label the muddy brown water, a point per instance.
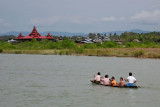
(60, 81)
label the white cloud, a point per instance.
(70, 19)
(147, 17)
(122, 18)
(47, 21)
(7, 24)
(157, 6)
(44, 21)
(4, 23)
(112, 18)
(81, 20)
(1, 20)
(55, 19)
(74, 19)
(90, 20)
(108, 18)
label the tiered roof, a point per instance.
(49, 36)
(20, 36)
(34, 34)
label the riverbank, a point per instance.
(109, 52)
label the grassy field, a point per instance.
(108, 52)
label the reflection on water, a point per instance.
(60, 81)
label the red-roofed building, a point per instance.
(49, 36)
(34, 35)
(20, 36)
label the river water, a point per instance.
(61, 81)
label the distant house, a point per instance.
(33, 35)
(12, 41)
(136, 40)
(59, 38)
(106, 38)
(87, 40)
(97, 40)
(118, 41)
(78, 39)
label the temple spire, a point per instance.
(34, 28)
(20, 35)
(48, 35)
(34, 32)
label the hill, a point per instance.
(5, 38)
(15, 33)
(45, 33)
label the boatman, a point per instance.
(97, 78)
(131, 80)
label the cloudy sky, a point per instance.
(79, 15)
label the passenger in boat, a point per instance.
(131, 80)
(121, 83)
(97, 78)
(105, 80)
(113, 81)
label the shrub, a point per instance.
(131, 44)
(110, 44)
(79, 50)
(55, 52)
(138, 53)
(68, 44)
(153, 55)
(68, 52)
(90, 46)
(18, 52)
(1, 50)
(126, 54)
(62, 52)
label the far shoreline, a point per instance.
(153, 53)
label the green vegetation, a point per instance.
(1, 50)
(142, 45)
(42, 45)
(138, 53)
(6, 37)
(111, 44)
(68, 44)
(65, 44)
(148, 45)
(143, 37)
(118, 52)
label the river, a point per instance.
(61, 81)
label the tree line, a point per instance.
(146, 40)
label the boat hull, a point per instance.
(98, 83)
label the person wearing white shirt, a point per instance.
(97, 78)
(131, 80)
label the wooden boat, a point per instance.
(98, 83)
